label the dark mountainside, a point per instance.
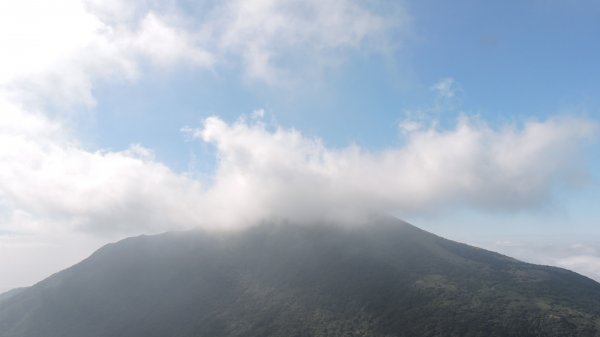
(386, 279)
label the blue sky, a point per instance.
(511, 63)
(96, 96)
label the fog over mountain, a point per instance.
(387, 279)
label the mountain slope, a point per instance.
(385, 279)
(10, 293)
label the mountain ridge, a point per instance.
(386, 279)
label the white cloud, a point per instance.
(445, 88)
(280, 173)
(167, 45)
(408, 126)
(565, 251)
(586, 264)
(269, 33)
(49, 182)
(258, 114)
(54, 52)
(445, 102)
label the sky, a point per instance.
(475, 120)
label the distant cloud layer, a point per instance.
(49, 182)
(579, 254)
(275, 172)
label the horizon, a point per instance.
(477, 122)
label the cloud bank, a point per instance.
(49, 182)
(280, 173)
(580, 254)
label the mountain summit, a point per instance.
(385, 279)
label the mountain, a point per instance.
(10, 293)
(385, 279)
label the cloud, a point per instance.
(586, 264)
(566, 251)
(267, 34)
(52, 187)
(262, 173)
(55, 52)
(445, 88)
(279, 173)
(48, 182)
(443, 105)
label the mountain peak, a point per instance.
(386, 279)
